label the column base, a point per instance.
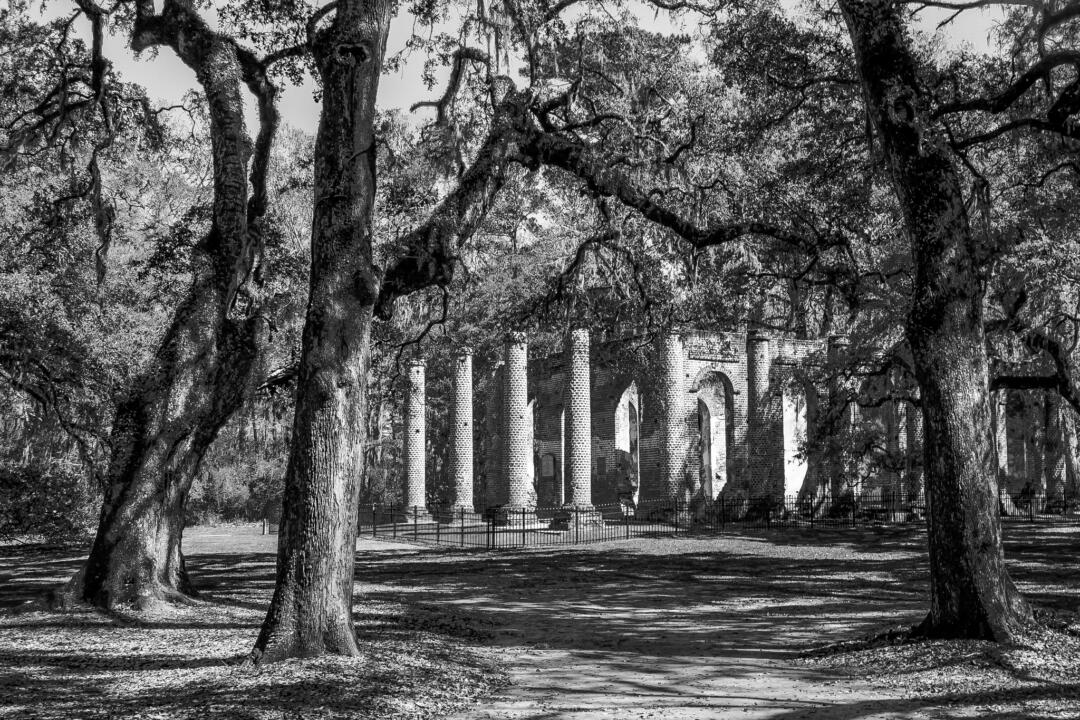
(460, 515)
(570, 516)
(515, 517)
(415, 515)
(667, 511)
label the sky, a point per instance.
(167, 79)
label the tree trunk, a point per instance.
(311, 610)
(159, 438)
(207, 357)
(1070, 446)
(972, 595)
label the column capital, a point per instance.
(839, 340)
(671, 342)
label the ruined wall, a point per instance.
(694, 415)
(636, 453)
(754, 397)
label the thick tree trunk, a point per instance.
(971, 592)
(205, 361)
(159, 438)
(1070, 447)
(311, 610)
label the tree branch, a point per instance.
(1024, 382)
(429, 252)
(603, 180)
(1065, 369)
(461, 57)
(1009, 95)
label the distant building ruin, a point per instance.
(693, 416)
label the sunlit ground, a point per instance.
(666, 628)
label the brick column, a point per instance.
(415, 443)
(579, 420)
(892, 491)
(517, 450)
(1053, 450)
(673, 439)
(999, 414)
(491, 442)
(840, 421)
(560, 467)
(1035, 445)
(765, 445)
(914, 479)
(461, 432)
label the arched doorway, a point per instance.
(627, 441)
(706, 448)
(716, 432)
(800, 409)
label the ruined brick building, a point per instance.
(694, 415)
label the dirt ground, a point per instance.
(661, 628)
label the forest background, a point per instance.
(98, 237)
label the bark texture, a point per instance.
(311, 610)
(173, 412)
(971, 593)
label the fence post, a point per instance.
(1031, 508)
(393, 513)
(626, 523)
(438, 528)
(523, 527)
(577, 520)
(415, 522)
(374, 522)
(462, 527)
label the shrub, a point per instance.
(54, 501)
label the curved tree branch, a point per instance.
(604, 180)
(429, 252)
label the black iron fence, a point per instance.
(500, 527)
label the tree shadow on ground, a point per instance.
(29, 570)
(643, 618)
(648, 615)
(729, 603)
(186, 661)
(212, 692)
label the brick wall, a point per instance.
(747, 391)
